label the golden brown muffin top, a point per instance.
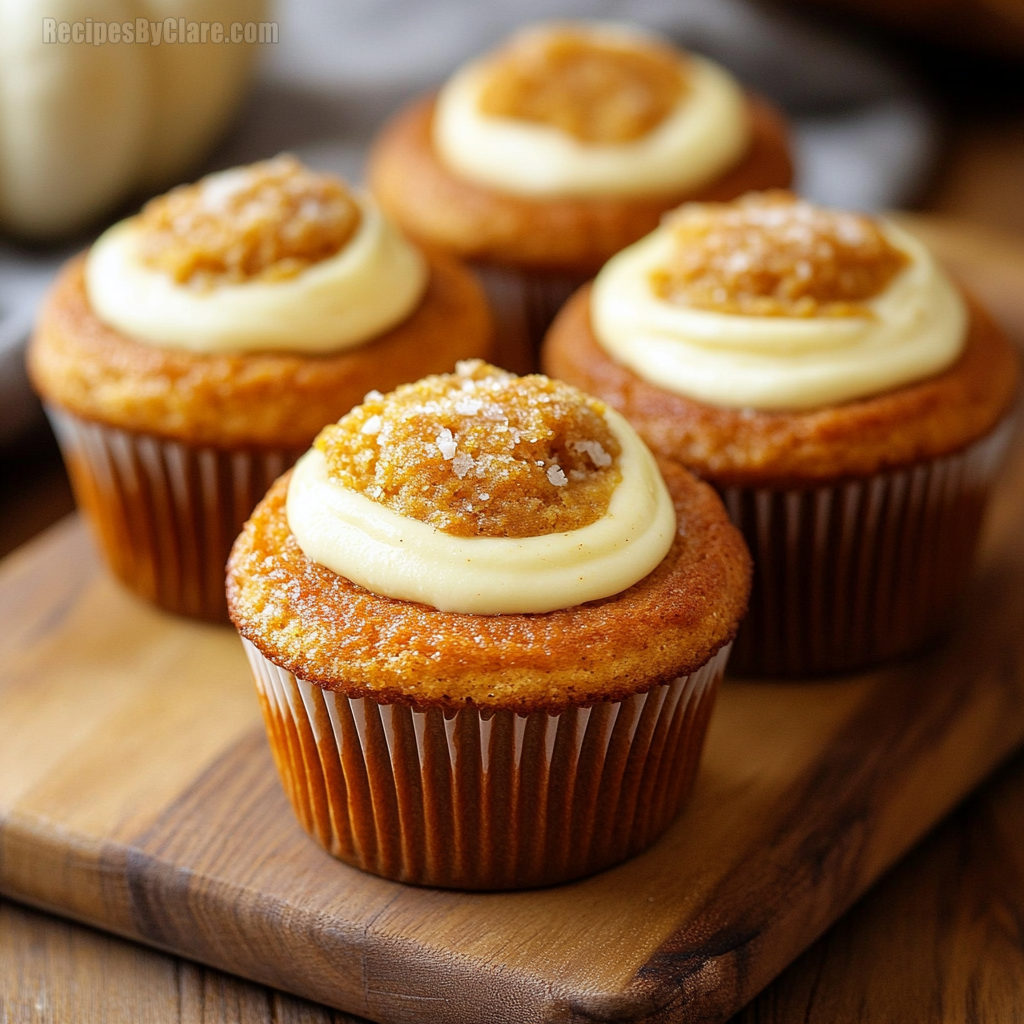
(574, 234)
(480, 453)
(923, 420)
(262, 399)
(268, 221)
(595, 90)
(324, 628)
(772, 254)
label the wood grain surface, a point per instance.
(137, 793)
(939, 940)
(55, 972)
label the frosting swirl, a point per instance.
(264, 258)
(770, 303)
(379, 536)
(606, 131)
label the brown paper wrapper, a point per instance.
(165, 513)
(474, 800)
(859, 571)
(524, 303)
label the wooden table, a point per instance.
(940, 939)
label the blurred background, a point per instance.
(915, 106)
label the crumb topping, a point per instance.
(268, 221)
(771, 254)
(597, 91)
(480, 453)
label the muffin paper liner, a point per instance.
(473, 799)
(165, 513)
(861, 570)
(524, 303)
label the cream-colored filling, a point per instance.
(917, 327)
(706, 133)
(373, 283)
(397, 556)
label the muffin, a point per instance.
(847, 400)
(196, 350)
(542, 159)
(486, 631)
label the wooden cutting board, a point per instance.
(137, 793)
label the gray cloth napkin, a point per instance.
(864, 137)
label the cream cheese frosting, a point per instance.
(371, 284)
(397, 556)
(706, 132)
(915, 327)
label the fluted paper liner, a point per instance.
(165, 513)
(476, 800)
(855, 572)
(524, 303)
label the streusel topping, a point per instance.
(596, 91)
(771, 254)
(268, 221)
(480, 453)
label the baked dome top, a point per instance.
(926, 419)
(435, 204)
(329, 630)
(267, 221)
(262, 399)
(771, 303)
(596, 88)
(772, 254)
(479, 453)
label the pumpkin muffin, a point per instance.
(539, 161)
(486, 631)
(847, 401)
(195, 351)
